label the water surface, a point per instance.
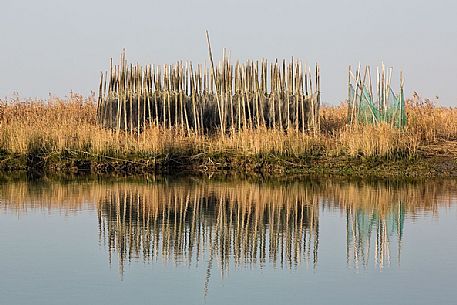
(202, 242)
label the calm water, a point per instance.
(195, 242)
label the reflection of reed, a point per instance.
(242, 223)
(19, 197)
(246, 224)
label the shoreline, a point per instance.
(62, 137)
(432, 161)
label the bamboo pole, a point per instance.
(148, 94)
(213, 73)
(302, 98)
(318, 97)
(297, 98)
(100, 99)
(131, 94)
(279, 94)
(139, 90)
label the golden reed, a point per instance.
(71, 125)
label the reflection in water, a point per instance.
(361, 225)
(375, 215)
(246, 224)
(239, 223)
(20, 197)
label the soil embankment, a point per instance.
(436, 160)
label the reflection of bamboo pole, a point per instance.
(248, 222)
(245, 223)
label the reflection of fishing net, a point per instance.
(385, 227)
(363, 224)
(366, 108)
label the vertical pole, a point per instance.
(213, 73)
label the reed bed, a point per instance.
(238, 223)
(69, 125)
(430, 122)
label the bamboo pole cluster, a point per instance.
(201, 99)
(377, 105)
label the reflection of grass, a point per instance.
(234, 222)
(61, 133)
(379, 197)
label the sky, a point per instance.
(57, 47)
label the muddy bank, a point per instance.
(433, 161)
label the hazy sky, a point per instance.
(52, 46)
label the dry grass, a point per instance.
(430, 122)
(70, 124)
(381, 140)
